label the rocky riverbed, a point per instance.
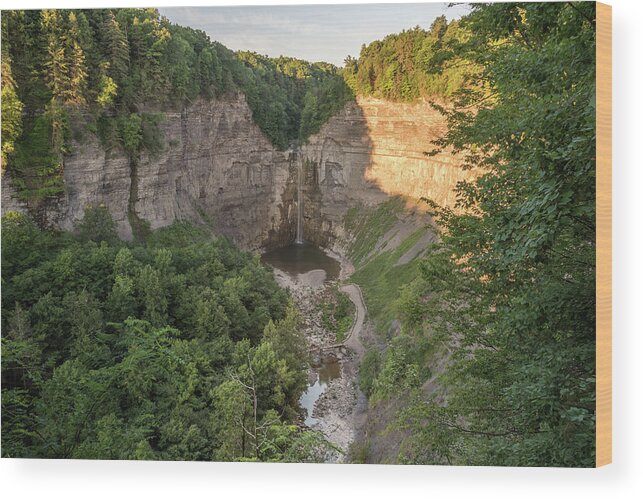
(335, 412)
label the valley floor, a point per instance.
(341, 408)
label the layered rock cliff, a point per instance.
(217, 168)
(371, 150)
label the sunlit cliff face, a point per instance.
(401, 136)
(370, 151)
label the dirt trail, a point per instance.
(352, 340)
(341, 408)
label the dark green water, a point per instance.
(298, 259)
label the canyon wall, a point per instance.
(371, 150)
(218, 169)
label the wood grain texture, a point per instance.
(603, 234)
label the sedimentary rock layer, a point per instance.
(218, 169)
(369, 151)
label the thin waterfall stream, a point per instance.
(300, 206)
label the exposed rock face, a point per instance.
(402, 135)
(218, 169)
(94, 176)
(335, 162)
(10, 201)
(369, 151)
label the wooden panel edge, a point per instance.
(603, 234)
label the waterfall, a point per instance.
(300, 206)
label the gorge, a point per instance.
(217, 169)
(220, 172)
(218, 255)
(278, 155)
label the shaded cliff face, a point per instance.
(217, 168)
(371, 150)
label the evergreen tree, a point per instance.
(56, 70)
(11, 105)
(56, 74)
(115, 45)
(77, 69)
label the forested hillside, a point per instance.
(410, 65)
(183, 348)
(112, 72)
(496, 353)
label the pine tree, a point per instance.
(56, 67)
(76, 63)
(11, 104)
(56, 75)
(116, 46)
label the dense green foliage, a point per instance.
(290, 98)
(11, 104)
(337, 312)
(507, 298)
(105, 69)
(408, 65)
(181, 348)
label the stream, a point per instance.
(331, 402)
(307, 265)
(326, 370)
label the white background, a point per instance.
(623, 479)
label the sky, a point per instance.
(311, 32)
